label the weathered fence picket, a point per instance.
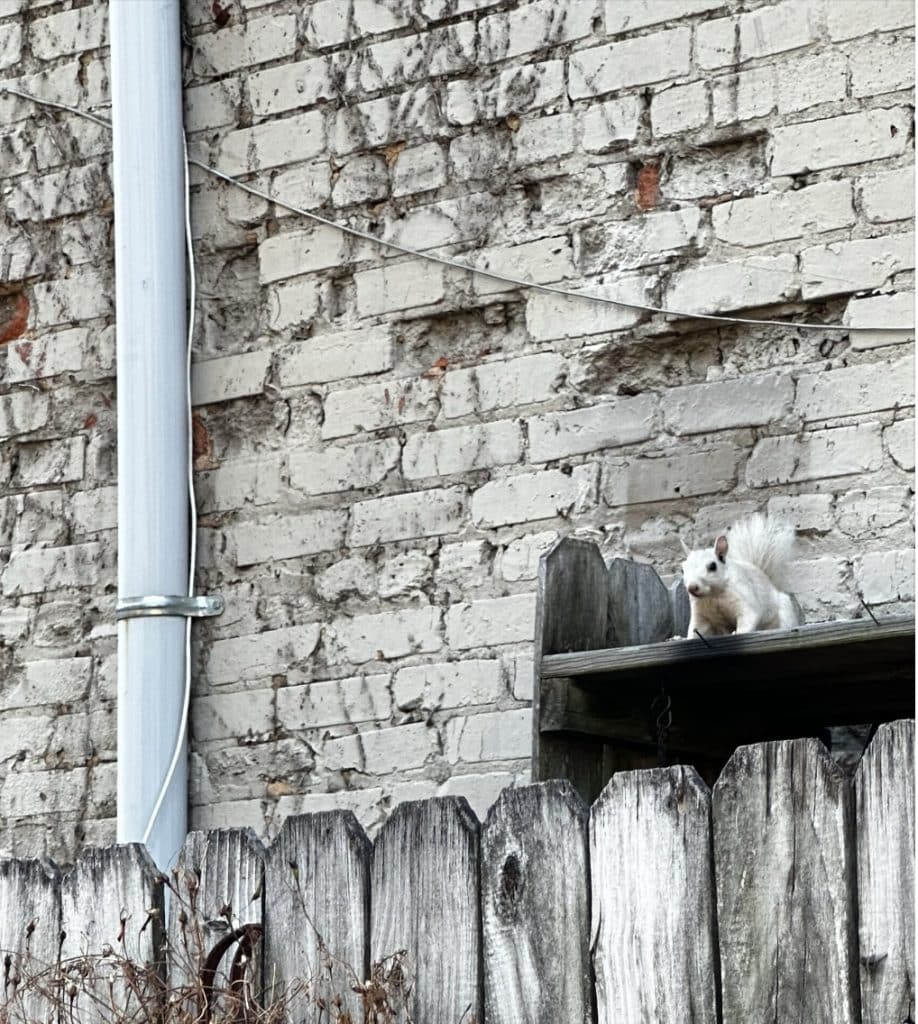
(784, 856)
(111, 902)
(30, 933)
(885, 809)
(640, 605)
(425, 885)
(654, 932)
(316, 913)
(447, 922)
(535, 907)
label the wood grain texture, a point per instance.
(682, 610)
(885, 808)
(219, 881)
(653, 924)
(640, 606)
(425, 885)
(535, 907)
(111, 900)
(316, 911)
(30, 929)
(784, 855)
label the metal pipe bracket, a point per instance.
(181, 606)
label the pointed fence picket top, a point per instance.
(784, 850)
(654, 932)
(111, 912)
(425, 884)
(640, 606)
(885, 811)
(30, 935)
(316, 914)
(535, 907)
(217, 893)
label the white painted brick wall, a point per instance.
(328, 357)
(489, 737)
(403, 516)
(771, 218)
(836, 141)
(366, 638)
(680, 108)
(631, 62)
(625, 17)
(853, 266)
(501, 385)
(815, 456)
(640, 480)
(529, 497)
(608, 123)
(372, 406)
(288, 536)
(889, 195)
(319, 705)
(451, 684)
(856, 389)
(461, 449)
(342, 468)
(487, 623)
(244, 659)
(727, 404)
(557, 435)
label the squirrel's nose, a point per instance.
(694, 589)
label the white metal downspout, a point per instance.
(150, 303)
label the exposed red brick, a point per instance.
(201, 444)
(13, 317)
(647, 194)
(24, 351)
(91, 420)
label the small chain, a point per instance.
(661, 706)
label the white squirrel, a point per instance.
(734, 587)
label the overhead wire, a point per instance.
(446, 261)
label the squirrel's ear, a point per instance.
(720, 547)
(685, 546)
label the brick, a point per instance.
(382, 751)
(282, 537)
(274, 144)
(332, 469)
(300, 252)
(550, 317)
(10, 45)
(854, 266)
(402, 516)
(236, 47)
(58, 793)
(785, 26)
(221, 380)
(61, 83)
(51, 355)
(240, 716)
(51, 681)
(605, 124)
(260, 655)
(462, 449)
(372, 406)
(625, 17)
(239, 482)
(212, 106)
(809, 512)
(819, 455)
(338, 702)
(530, 497)
(529, 87)
(290, 86)
(494, 736)
(443, 223)
(643, 480)
(68, 32)
(398, 287)
(481, 790)
(22, 412)
(405, 575)
(652, 58)
(848, 21)
(680, 109)
(884, 576)
(886, 65)
(84, 295)
(40, 569)
(60, 194)
(307, 186)
(468, 561)
(889, 195)
(51, 462)
(728, 286)
(558, 435)
(820, 585)
(418, 169)
(361, 179)
(453, 684)
(543, 138)
(494, 621)
(811, 80)
(387, 635)
(840, 141)
(95, 510)
(777, 216)
(630, 244)
(329, 24)
(543, 261)
(520, 559)
(294, 303)
(406, 59)
(328, 357)
(866, 513)
(727, 404)
(527, 380)
(868, 387)
(388, 119)
(347, 577)
(717, 43)
(900, 443)
(535, 26)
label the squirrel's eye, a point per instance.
(712, 566)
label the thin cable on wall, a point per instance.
(445, 261)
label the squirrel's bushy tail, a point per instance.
(764, 543)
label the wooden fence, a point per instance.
(784, 895)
